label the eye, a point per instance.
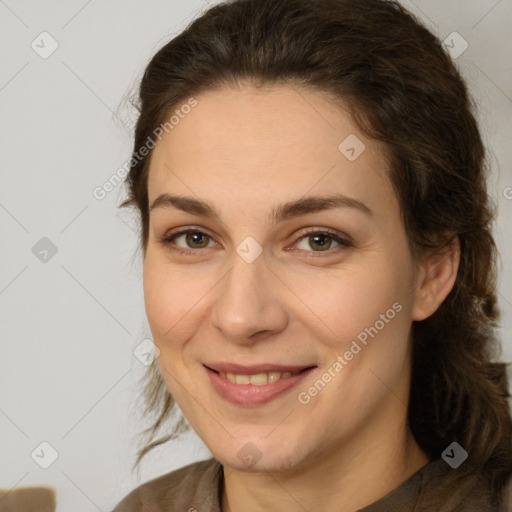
(196, 240)
(322, 240)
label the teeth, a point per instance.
(258, 379)
(274, 376)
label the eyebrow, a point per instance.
(283, 212)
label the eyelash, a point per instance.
(344, 242)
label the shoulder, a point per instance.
(195, 483)
(444, 488)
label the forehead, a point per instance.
(254, 145)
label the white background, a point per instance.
(68, 326)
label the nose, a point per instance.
(249, 305)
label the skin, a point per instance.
(247, 150)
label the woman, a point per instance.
(319, 269)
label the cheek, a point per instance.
(175, 300)
(169, 301)
(365, 321)
(166, 298)
(348, 301)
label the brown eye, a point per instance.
(194, 240)
(321, 241)
(196, 237)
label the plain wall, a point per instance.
(69, 325)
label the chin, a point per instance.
(258, 456)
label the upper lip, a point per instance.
(239, 369)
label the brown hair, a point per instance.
(404, 91)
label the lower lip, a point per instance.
(250, 394)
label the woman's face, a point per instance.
(269, 288)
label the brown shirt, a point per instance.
(198, 488)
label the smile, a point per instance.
(256, 388)
(258, 379)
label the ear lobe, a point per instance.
(436, 280)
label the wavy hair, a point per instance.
(404, 91)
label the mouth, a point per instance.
(256, 385)
(258, 379)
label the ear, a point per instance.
(435, 280)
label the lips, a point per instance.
(254, 369)
(249, 387)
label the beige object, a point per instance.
(28, 499)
